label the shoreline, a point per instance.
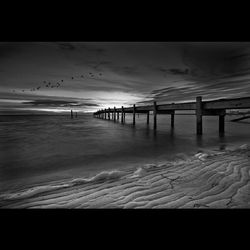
(209, 179)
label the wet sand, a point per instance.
(213, 179)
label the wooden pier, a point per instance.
(201, 108)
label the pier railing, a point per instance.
(203, 108)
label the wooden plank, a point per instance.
(178, 106)
(209, 112)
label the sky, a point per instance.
(55, 77)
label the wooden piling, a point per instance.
(122, 115)
(172, 119)
(109, 113)
(199, 115)
(221, 124)
(114, 114)
(134, 114)
(155, 116)
(105, 114)
(117, 115)
(71, 114)
(148, 117)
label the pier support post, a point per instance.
(134, 114)
(221, 124)
(172, 119)
(109, 113)
(148, 117)
(199, 115)
(105, 114)
(71, 114)
(122, 116)
(114, 114)
(155, 116)
(118, 115)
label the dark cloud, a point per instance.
(179, 71)
(164, 72)
(49, 102)
(84, 105)
(60, 103)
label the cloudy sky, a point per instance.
(87, 76)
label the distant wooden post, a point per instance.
(134, 114)
(114, 114)
(71, 114)
(76, 115)
(172, 119)
(122, 116)
(109, 114)
(221, 124)
(148, 117)
(117, 115)
(105, 114)
(199, 115)
(155, 116)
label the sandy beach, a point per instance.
(212, 179)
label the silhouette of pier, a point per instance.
(202, 108)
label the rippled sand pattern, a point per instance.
(218, 180)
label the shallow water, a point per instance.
(36, 149)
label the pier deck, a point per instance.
(202, 108)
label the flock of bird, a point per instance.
(47, 84)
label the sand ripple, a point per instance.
(211, 180)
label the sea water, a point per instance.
(43, 148)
